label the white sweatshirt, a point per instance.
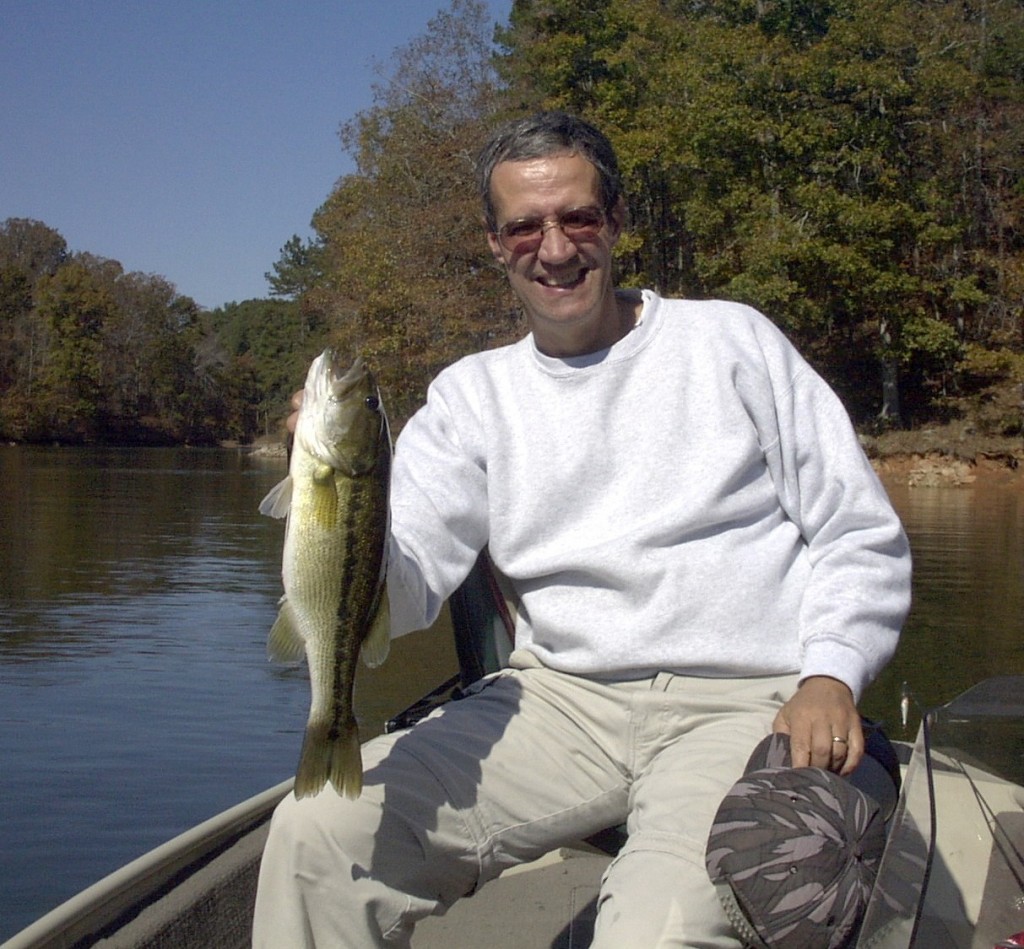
(692, 500)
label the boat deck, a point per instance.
(198, 889)
(549, 903)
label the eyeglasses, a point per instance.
(527, 234)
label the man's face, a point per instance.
(565, 286)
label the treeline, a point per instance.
(90, 353)
(87, 351)
(854, 168)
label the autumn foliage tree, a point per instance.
(853, 167)
(74, 308)
(93, 354)
(408, 281)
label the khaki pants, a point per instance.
(534, 759)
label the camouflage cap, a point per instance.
(794, 853)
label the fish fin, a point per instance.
(278, 501)
(377, 644)
(323, 473)
(285, 642)
(347, 763)
(321, 760)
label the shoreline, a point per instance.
(935, 469)
(949, 456)
(923, 463)
(924, 468)
(911, 459)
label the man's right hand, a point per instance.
(293, 419)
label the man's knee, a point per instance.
(656, 893)
(315, 835)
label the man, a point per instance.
(701, 555)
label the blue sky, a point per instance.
(188, 138)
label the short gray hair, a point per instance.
(541, 135)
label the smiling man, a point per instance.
(700, 552)
(556, 246)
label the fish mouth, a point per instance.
(342, 380)
(341, 418)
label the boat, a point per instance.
(952, 874)
(951, 877)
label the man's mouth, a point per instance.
(563, 281)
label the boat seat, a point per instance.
(484, 631)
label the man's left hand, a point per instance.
(823, 725)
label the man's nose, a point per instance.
(554, 245)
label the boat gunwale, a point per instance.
(146, 878)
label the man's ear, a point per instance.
(617, 218)
(495, 245)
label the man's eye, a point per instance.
(522, 228)
(582, 218)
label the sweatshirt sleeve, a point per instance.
(438, 512)
(858, 593)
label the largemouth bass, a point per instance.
(334, 607)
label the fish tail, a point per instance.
(347, 762)
(330, 755)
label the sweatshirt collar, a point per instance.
(630, 344)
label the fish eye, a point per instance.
(372, 403)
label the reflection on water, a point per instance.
(136, 591)
(967, 619)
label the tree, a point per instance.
(267, 346)
(298, 269)
(93, 353)
(29, 251)
(847, 166)
(407, 278)
(32, 247)
(75, 308)
(15, 309)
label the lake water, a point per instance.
(136, 591)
